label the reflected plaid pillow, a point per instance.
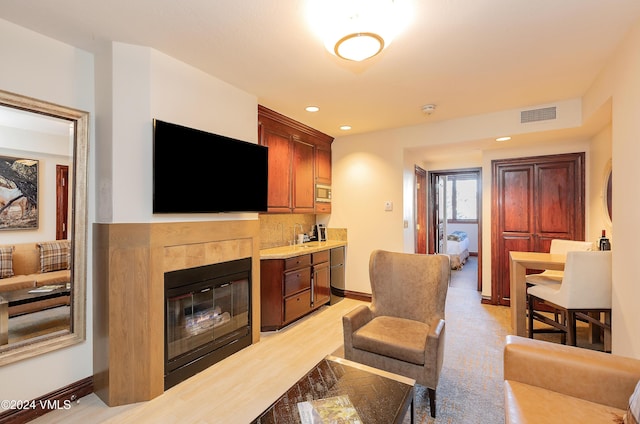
(54, 255)
(633, 413)
(6, 261)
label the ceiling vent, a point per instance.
(535, 115)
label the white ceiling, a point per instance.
(466, 56)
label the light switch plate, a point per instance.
(388, 205)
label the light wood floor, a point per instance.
(235, 390)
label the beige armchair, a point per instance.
(403, 330)
(552, 383)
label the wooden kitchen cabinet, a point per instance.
(280, 170)
(323, 165)
(303, 186)
(299, 157)
(320, 281)
(291, 288)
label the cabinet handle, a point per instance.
(312, 288)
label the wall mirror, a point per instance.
(43, 198)
(606, 195)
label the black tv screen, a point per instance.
(196, 171)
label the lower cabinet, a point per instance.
(291, 288)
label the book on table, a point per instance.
(333, 410)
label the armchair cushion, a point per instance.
(394, 337)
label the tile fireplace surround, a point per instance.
(129, 266)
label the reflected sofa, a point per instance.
(34, 265)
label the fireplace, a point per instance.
(207, 316)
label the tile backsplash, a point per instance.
(278, 229)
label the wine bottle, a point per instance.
(603, 243)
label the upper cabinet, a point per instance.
(299, 158)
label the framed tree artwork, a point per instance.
(18, 193)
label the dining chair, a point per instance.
(584, 293)
(558, 247)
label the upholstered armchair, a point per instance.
(403, 330)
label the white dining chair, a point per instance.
(558, 247)
(584, 293)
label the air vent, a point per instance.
(535, 115)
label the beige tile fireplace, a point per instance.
(130, 262)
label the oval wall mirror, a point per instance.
(43, 225)
(608, 180)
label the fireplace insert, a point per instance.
(208, 316)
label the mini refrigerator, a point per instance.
(337, 274)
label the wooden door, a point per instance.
(280, 158)
(535, 200)
(62, 201)
(303, 177)
(421, 210)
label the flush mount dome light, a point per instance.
(358, 29)
(359, 46)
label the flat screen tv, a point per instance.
(200, 172)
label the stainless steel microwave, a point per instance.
(323, 193)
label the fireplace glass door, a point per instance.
(207, 316)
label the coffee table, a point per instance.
(21, 297)
(378, 396)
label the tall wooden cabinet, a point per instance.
(535, 200)
(299, 158)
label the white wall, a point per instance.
(620, 82)
(46, 69)
(146, 84)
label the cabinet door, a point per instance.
(323, 165)
(321, 289)
(280, 156)
(303, 177)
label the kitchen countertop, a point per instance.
(285, 252)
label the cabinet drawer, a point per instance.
(297, 262)
(296, 281)
(323, 207)
(319, 257)
(296, 306)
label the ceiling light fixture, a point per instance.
(358, 29)
(345, 127)
(507, 138)
(312, 108)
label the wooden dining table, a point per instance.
(518, 264)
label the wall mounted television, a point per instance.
(196, 171)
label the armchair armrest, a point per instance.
(356, 318)
(351, 322)
(434, 351)
(586, 374)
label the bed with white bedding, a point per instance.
(458, 248)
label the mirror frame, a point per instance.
(606, 193)
(61, 339)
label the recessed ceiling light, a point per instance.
(503, 138)
(345, 127)
(312, 108)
